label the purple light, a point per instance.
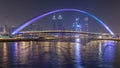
(60, 10)
(109, 52)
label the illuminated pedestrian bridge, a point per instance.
(57, 22)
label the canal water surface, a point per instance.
(60, 54)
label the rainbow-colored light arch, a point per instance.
(60, 10)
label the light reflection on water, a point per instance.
(53, 54)
(77, 53)
(5, 54)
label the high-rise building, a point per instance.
(57, 22)
(5, 29)
(86, 24)
(76, 25)
(54, 22)
(86, 27)
(60, 23)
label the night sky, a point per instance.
(19, 11)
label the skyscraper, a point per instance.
(5, 29)
(76, 25)
(60, 23)
(54, 22)
(86, 24)
(57, 22)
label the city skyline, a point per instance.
(18, 12)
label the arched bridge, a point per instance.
(60, 10)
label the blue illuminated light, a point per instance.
(110, 43)
(78, 26)
(60, 10)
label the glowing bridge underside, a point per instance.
(60, 10)
(61, 31)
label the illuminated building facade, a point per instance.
(57, 22)
(54, 22)
(76, 25)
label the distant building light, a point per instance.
(100, 37)
(77, 19)
(60, 17)
(78, 26)
(86, 19)
(54, 18)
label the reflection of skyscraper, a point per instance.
(5, 55)
(77, 26)
(109, 53)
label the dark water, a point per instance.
(55, 54)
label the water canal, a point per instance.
(60, 54)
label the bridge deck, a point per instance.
(63, 31)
